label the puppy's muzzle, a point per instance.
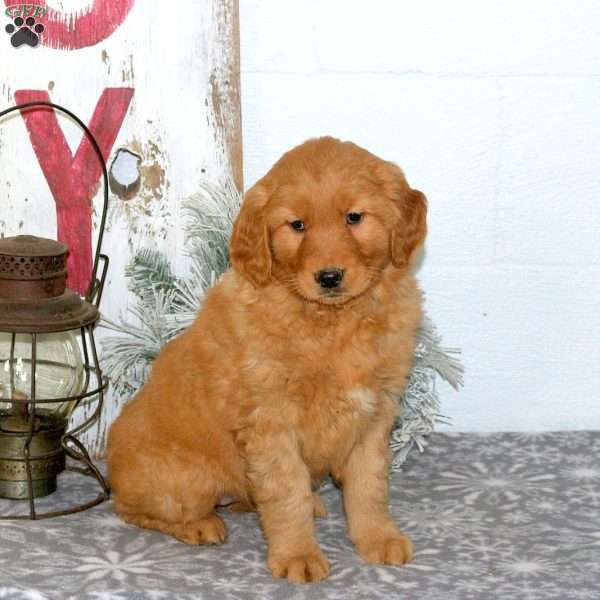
(330, 278)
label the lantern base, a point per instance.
(19, 490)
(46, 459)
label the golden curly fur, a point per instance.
(286, 375)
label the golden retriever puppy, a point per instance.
(292, 369)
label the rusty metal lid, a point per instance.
(26, 257)
(30, 245)
(33, 293)
(60, 313)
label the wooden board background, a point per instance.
(160, 79)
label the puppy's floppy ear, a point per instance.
(409, 233)
(410, 228)
(249, 246)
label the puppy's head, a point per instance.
(326, 221)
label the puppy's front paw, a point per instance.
(301, 568)
(386, 549)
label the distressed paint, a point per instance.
(152, 169)
(183, 121)
(224, 86)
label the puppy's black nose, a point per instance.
(329, 278)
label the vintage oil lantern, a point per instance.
(48, 362)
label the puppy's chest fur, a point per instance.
(345, 397)
(334, 380)
(333, 423)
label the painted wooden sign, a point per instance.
(159, 89)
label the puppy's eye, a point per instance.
(298, 225)
(352, 218)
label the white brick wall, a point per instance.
(493, 110)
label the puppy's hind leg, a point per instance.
(182, 506)
(192, 523)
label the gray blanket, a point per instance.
(499, 516)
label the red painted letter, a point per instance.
(70, 31)
(73, 179)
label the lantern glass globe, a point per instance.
(59, 370)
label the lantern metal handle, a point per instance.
(96, 286)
